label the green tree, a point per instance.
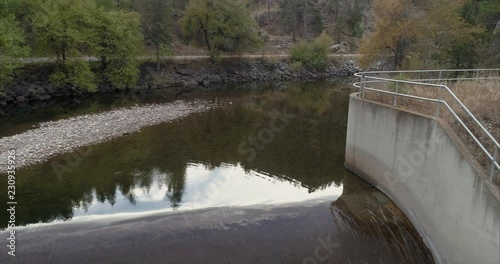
(484, 47)
(489, 13)
(316, 21)
(301, 12)
(470, 12)
(11, 47)
(119, 43)
(157, 24)
(355, 20)
(292, 12)
(70, 30)
(116, 4)
(74, 72)
(64, 28)
(220, 26)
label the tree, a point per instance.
(11, 47)
(115, 4)
(220, 26)
(355, 20)
(269, 12)
(64, 28)
(72, 29)
(316, 21)
(335, 6)
(455, 40)
(305, 12)
(488, 13)
(157, 24)
(484, 47)
(395, 29)
(119, 43)
(404, 29)
(292, 12)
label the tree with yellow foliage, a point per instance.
(420, 30)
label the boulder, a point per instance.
(283, 66)
(45, 97)
(183, 70)
(340, 48)
(253, 75)
(20, 99)
(213, 79)
(263, 34)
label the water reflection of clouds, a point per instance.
(226, 185)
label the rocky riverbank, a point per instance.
(32, 85)
(62, 136)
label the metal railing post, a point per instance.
(440, 98)
(362, 88)
(396, 95)
(440, 76)
(477, 78)
(492, 170)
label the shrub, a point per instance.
(296, 66)
(74, 72)
(312, 53)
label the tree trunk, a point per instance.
(305, 20)
(103, 63)
(268, 12)
(336, 12)
(294, 29)
(158, 56)
(400, 53)
(63, 53)
(206, 40)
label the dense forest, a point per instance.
(116, 34)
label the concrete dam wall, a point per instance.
(419, 163)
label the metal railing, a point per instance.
(436, 79)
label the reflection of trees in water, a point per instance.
(309, 151)
(311, 148)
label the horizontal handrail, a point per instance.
(399, 94)
(449, 79)
(425, 71)
(449, 108)
(368, 78)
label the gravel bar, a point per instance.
(51, 138)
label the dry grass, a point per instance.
(482, 98)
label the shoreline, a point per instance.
(51, 138)
(33, 86)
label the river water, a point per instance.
(259, 180)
